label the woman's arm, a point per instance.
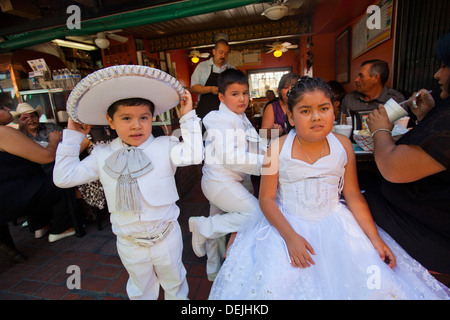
(17, 143)
(299, 249)
(358, 205)
(268, 117)
(268, 122)
(402, 163)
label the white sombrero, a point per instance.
(93, 95)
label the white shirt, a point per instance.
(158, 192)
(203, 70)
(233, 148)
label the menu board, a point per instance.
(247, 58)
(363, 38)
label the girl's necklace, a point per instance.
(303, 149)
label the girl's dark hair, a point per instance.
(130, 102)
(308, 84)
(443, 49)
(230, 76)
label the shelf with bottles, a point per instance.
(65, 78)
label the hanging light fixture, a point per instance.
(101, 41)
(276, 12)
(195, 59)
(277, 53)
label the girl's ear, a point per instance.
(290, 118)
(111, 122)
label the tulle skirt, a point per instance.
(347, 266)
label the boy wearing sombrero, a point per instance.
(136, 170)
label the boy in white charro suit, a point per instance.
(136, 169)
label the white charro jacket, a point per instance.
(157, 187)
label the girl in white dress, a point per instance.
(309, 245)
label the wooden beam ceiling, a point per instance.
(238, 36)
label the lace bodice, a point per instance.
(311, 191)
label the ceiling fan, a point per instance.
(278, 48)
(280, 8)
(195, 55)
(101, 38)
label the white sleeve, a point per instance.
(227, 145)
(69, 171)
(199, 75)
(190, 150)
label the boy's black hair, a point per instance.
(130, 102)
(230, 76)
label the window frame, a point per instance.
(251, 72)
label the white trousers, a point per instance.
(232, 205)
(150, 266)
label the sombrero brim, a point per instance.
(93, 95)
(16, 115)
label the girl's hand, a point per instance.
(83, 128)
(186, 103)
(299, 251)
(384, 251)
(378, 119)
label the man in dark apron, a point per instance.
(209, 99)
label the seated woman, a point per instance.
(413, 203)
(24, 187)
(274, 116)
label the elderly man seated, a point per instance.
(371, 90)
(28, 119)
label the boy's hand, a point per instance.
(83, 128)
(186, 103)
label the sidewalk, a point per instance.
(44, 275)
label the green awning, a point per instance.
(125, 20)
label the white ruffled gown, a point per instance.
(347, 266)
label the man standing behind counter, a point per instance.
(204, 78)
(370, 89)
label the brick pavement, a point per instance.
(44, 274)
